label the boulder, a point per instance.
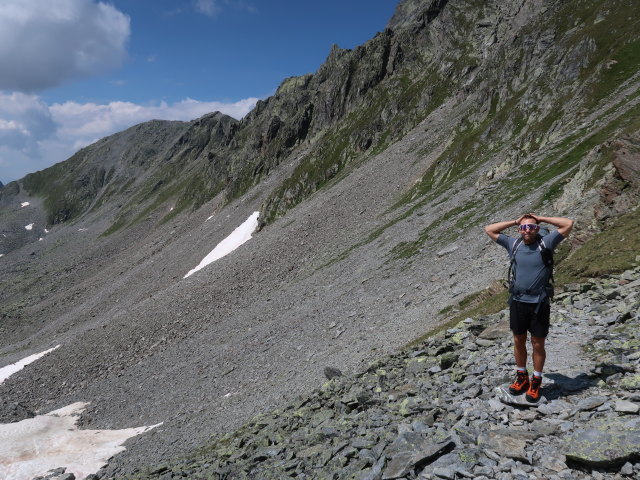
(605, 442)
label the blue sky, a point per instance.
(77, 70)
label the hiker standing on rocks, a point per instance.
(530, 291)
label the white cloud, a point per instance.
(34, 135)
(208, 7)
(24, 121)
(212, 8)
(46, 42)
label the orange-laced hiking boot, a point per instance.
(521, 383)
(533, 394)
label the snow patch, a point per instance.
(239, 236)
(1, 254)
(209, 218)
(29, 227)
(6, 372)
(83, 229)
(53, 440)
(25, 204)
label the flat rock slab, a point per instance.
(505, 443)
(496, 332)
(591, 403)
(605, 442)
(518, 400)
(415, 451)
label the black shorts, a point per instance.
(523, 317)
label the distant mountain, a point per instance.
(373, 177)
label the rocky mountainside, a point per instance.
(434, 411)
(372, 177)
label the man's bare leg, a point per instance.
(520, 349)
(539, 354)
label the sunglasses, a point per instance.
(529, 227)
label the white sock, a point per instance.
(522, 369)
(537, 373)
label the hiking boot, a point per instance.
(533, 394)
(521, 383)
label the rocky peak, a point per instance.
(414, 14)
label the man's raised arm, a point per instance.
(564, 224)
(494, 229)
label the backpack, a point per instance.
(547, 259)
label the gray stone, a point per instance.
(447, 360)
(507, 398)
(416, 450)
(591, 403)
(543, 428)
(505, 444)
(627, 469)
(555, 463)
(376, 471)
(363, 443)
(496, 332)
(332, 372)
(483, 470)
(443, 472)
(555, 407)
(605, 442)
(496, 405)
(447, 250)
(625, 406)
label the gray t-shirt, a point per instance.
(529, 271)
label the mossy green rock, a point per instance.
(459, 337)
(605, 442)
(447, 360)
(631, 382)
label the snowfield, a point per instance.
(6, 372)
(239, 236)
(33, 446)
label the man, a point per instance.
(529, 308)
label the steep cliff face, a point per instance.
(372, 175)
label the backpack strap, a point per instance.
(510, 278)
(514, 249)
